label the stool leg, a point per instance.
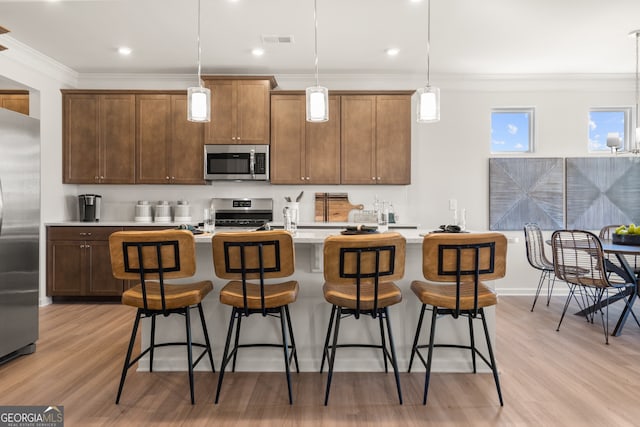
(332, 357)
(125, 368)
(383, 344)
(153, 341)
(187, 321)
(286, 354)
(429, 356)
(226, 352)
(206, 336)
(394, 360)
(293, 342)
(472, 341)
(235, 354)
(494, 368)
(325, 351)
(414, 349)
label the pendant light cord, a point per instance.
(199, 48)
(428, 42)
(315, 21)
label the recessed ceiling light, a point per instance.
(258, 51)
(392, 51)
(123, 50)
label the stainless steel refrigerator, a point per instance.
(19, 233)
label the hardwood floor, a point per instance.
(549, 378)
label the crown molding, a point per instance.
(22, 54)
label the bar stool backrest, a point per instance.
(152, 255)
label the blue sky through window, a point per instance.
(602, 123)
(510, 131)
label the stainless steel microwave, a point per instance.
(236, 162)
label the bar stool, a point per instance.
(256, 255)
(459, 261)
(150, 257)
(359, 271)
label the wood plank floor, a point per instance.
(566, 378)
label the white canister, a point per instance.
(143, 211)
(182, 212)
(163, 211)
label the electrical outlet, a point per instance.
(453, 204)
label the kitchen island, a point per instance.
(310, 317)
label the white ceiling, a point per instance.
(467, 37)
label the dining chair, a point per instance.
(538, 259)
(152, 257)
(580, 261)
(250, 260)
(456, 266)
(359, 274)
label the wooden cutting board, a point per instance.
(334, 207)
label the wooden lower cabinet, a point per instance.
(79, 264)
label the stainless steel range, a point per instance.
(243, 212)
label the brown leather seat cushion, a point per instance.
(275, 295)
(176, 296)
(344, 295)
(444, 295)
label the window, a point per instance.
(605, 122)
(512, 130)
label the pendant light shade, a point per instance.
(199, 108)
(199, 97)
(317, 104)
(428, 104)
(428, 110)
(317, 96)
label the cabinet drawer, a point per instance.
(81, 233)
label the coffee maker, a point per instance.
(89, 205)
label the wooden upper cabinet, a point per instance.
(240, 112)
(169, 148)
(303, 152)
(376, 139)
(98, 138)
(15, 101)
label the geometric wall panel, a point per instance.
(602, 191)
(523, 190)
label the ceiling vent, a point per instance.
(275, 39)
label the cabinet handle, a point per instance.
(373, 178)
(378, 178)
(173, 177)
(96, 178)
(166, 177)
(233, 138)
(302, 178)
(238, 138)
(81, 246)
(88, 234)
(83, 234)
(308, 178)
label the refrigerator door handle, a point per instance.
(1, 205)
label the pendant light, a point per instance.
(199, 97)
(428, 96)
(317, 96)
(635, 149)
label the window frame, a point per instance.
(628, 128)
(531, 134)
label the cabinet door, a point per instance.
(18, 103)
(117, 139)
(186, 150)
(252, 113)
(65, 268)
(220, 130)
(153, 113)
(80, 139)
(288, 139)
(393, 139)
(322, 154)
(358, 139)
(100, 278)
